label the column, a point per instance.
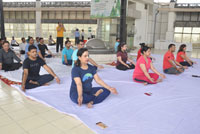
(171, 21)
(38, 19)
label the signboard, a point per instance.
(105, 8)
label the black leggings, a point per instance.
(11, 67)
(185, 63)
(59, 43)
(124, 68)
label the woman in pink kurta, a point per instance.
(141, 73)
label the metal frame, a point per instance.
(123, 26)
(2, 20)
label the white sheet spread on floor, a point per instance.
(173, 108)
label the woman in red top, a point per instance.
(141, 73)
(122, 58)
(182, 57)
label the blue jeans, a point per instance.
(69, 62)
(42, 79)
(89, 96)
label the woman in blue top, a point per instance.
(81, 91)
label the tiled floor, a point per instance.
(19, 115)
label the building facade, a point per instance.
(23, 19)
(147, 21)
(179, 23)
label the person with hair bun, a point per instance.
(122, 58)
(82, 91)
(182, 57)
(139, 51)
(141, 73)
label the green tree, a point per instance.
(112, 14)
(118, 5)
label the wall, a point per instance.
(141, 25)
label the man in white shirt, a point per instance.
(22, 46)
(14, 42)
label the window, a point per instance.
(187, 30)
(186, 38)
(196, 30)
(187, 34)
(19, 30)
(178, 29)
(195, 38)
(177, 37)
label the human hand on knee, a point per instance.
(152, 80)
(23, 88)
(80, 100)
(180, 69)
(163, 76)
(57, 80)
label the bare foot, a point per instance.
(90, 104)
(34, 82)
(145, 83)
(98, 92)
(159, 80)
(46, 84)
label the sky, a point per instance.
(179, 1)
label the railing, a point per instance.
(66, 4)
(48, 4)
(19, 4)
(187, 5)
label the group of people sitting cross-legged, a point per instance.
(83, 73)
(144, 63)
(34, 58)
(170, 65)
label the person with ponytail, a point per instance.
(122, 58)
(141, 73)
(182, 57)
(139, 51)
(81, 91)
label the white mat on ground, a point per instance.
(173, 107)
